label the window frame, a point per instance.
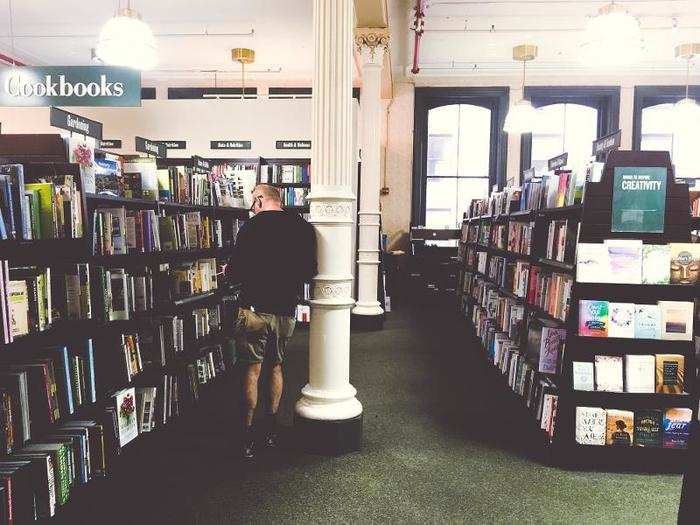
(606, 99)
(648, 96)
(427, 98)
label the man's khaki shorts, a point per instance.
(260, 336)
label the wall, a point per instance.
(396, 207)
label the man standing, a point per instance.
(275, 254)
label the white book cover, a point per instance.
(547, 411)
(608, 373)
(647, 321)
(591, 263)
(125, 401)
(590, 425)
(583, 376)
(676, 320)
(625, 260)
(656, 264)
(640, 373)
(621, 320)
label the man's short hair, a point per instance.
(268, 192)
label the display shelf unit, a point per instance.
(105, 334)
(593, 218)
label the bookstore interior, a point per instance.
(522, 174)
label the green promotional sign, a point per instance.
(26, 86)
(639, 200)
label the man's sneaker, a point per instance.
(248, 449)
(271, 440)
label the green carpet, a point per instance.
(442, 444)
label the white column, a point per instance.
(329, 394)
(372, 44)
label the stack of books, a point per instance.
(285, 174)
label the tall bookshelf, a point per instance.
(590, 222)
(45, 154)
(303, 164)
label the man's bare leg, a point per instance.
(276, 386)
(250, 392)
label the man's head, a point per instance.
(266, 198)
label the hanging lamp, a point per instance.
(522, 115)
(687, 110)
(243, 56)
(126, 40)
(612, 38)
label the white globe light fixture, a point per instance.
(126, 40)
(522, 116)
(687, 110)
(612, 38)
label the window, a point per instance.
(459, 151)
(657, 127)
(459, 142)
(571, 118)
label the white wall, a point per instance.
(196, 121)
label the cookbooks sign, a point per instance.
(70, 86)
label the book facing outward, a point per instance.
(590, 426)
(677, 423)
(676, 320)
(648, 425)
(670, 371)
(608, 373)
(647, 321)
(656, 264)
(550, 349)
(625, 259)
(685, 263)
(583, 376)
(591, 263)
(593, 318)
(640, 373)
(620, 428)
(621, 320)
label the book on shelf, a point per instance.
(552, 347)
(647, 321)
(608, 373)
(625, 260)
(648, 428)
(520, 237)
(677, 425)
(145, 408)
(561, 240)
(583, 376)
(139, 178)
(619, 428)
(676, 320)
(127, 419)
(670, 373)
(593, 318)
(621, 320)
(293, 196)
(591, 425)
(592, 265)
(656, 263)
(191, 278)
(285, 173)
(43, 482)
(640, 373)
(685, 263)
(185, 185)
(18, 502)
(121, 294)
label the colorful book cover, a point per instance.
(685, 263)
(47, 208)
(656, 264)
(670, 373)
(593, 318)
(677, 423)
(647, 321)
(639, 199)
(550, 347)
(590, 425)
(125, 401)
(621, 320)
(676, 320)
(625, 260)
(620, 428)
(592, 265)
(648, 426)
(608, 373)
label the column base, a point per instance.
(327, 437)
(367, 323)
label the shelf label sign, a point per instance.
(639, 199)
(174, 144)
(607, 143)
(151, 147)
(110, 144)
(293, 144)
(201, 164)
(558, 162)
(230, 144)
(29, 86)
(75, 123)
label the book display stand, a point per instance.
(612, 401)
(176, 344)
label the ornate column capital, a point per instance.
(372, 43)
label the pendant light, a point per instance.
(612, 38)
(126, 40)
(687, 110)
(522, 115)
(243, 56)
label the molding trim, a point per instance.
(372, 38)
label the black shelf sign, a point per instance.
(293, 144)
(201, 164)
(607, 143)
(230, 144)
(558, 162)
(174, 144)
(151, 147)
(75, 123)
(110, 144)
